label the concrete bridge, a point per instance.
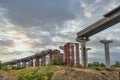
(35, 60)
(109, 19)
(70, 57)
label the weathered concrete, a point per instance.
(87, 49)
(77, 54)
(110, 19)
(33, 60)
(71, 54)
(83, 51)
(37, 61)
(107, 56)
(61, 47)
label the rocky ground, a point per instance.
(85, 74)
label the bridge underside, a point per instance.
(109, 20)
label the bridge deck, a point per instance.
(111, 18)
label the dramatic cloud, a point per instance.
(28, 27)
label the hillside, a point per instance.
(85, 74)
(6, 76)
(59, 73)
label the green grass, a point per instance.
(36, 73)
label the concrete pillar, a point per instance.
(24, 63)
(72, 55)
(65, 51)
(30, 63)
(77, 54)
(87, 55)
(37, 61)
(107, 56)
(43, 61)
(83, 50)
(50, 57)
(87, 49)
(18, 63)
(62, 48)
(68, 54)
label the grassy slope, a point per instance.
(63, 73)
(6, 76)
(34, 72)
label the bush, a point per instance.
(38, 75)
(77, 65)
(49, 75)
(43, 64)
(96, 64)
(0, 65)
(117, 64)
(57, 61)
(17, 68)
(28, 76)
(20, 77)
(67, 68)
(5, 68)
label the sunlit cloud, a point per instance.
(43, 24)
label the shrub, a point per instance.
(17, 68)
(57, 61)
(0, 65)
(38, 75)
(49, 75)
(43, 64)
(20, 77)
(77, 65)
(67, 68)
(28, 76)
(96, 64)
(5, 68)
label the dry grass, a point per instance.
(65, 73)
(85, 74)
(6, 75)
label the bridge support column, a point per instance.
(62, 48)
(87, 49)
(43, 61)
(72, 55)
(107, 56)
(37, 61)
(77, 54)
(83, 50)
(24, 63)
(30, 63)
(87, 56)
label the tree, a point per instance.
(96, 64)
(57, 61)
(117, 64)
(0, 65)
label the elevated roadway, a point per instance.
(109, 19)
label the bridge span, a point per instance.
(111, 18)
(36, 59)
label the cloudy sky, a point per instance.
(30, 26)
